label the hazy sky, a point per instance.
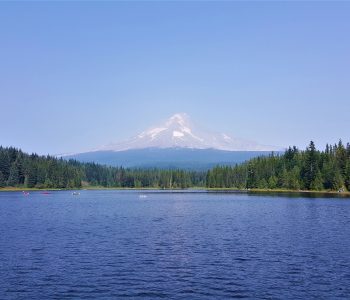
(77, 75)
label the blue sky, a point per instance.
(77, 75)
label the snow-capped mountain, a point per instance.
(179, 132)
(177, 143)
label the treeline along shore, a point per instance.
(310, 169)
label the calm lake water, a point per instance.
(116, 244)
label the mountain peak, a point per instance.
(179, 132)
(180, 118)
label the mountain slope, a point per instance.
(177, 143)
(179, 131)
(164, 158)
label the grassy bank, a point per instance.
(286, 191)
(257, 191)
(20, 189)
(92, 188)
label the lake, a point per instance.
(173, 245)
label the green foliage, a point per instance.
(317, 182)
(2, 180)
(5, 163)
(272, 183)
(347, 175)
(13, 179)
(20, 169)
(310, 169)
(310, 166)
(294, 179)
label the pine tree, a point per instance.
(30, 177)
(338, 181)
(347, 175)
(310, 166)
(272, 183)
(13, 179)
(294, 179)
(2, 180)
(251, 176)
(5, 164)
(283, 179)
(341, 156)
(317, 183)
(262, 184)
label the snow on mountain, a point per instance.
(179, 132)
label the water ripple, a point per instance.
(107, 245)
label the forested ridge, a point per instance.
(18, 169)
(294, 170)
(309, 169)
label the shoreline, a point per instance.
(203, 189)
(281, 191)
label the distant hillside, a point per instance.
(183, 158)
(22, 170)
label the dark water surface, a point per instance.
(116, 245)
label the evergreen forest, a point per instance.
(295, 169)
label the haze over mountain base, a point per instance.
(183, 158)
